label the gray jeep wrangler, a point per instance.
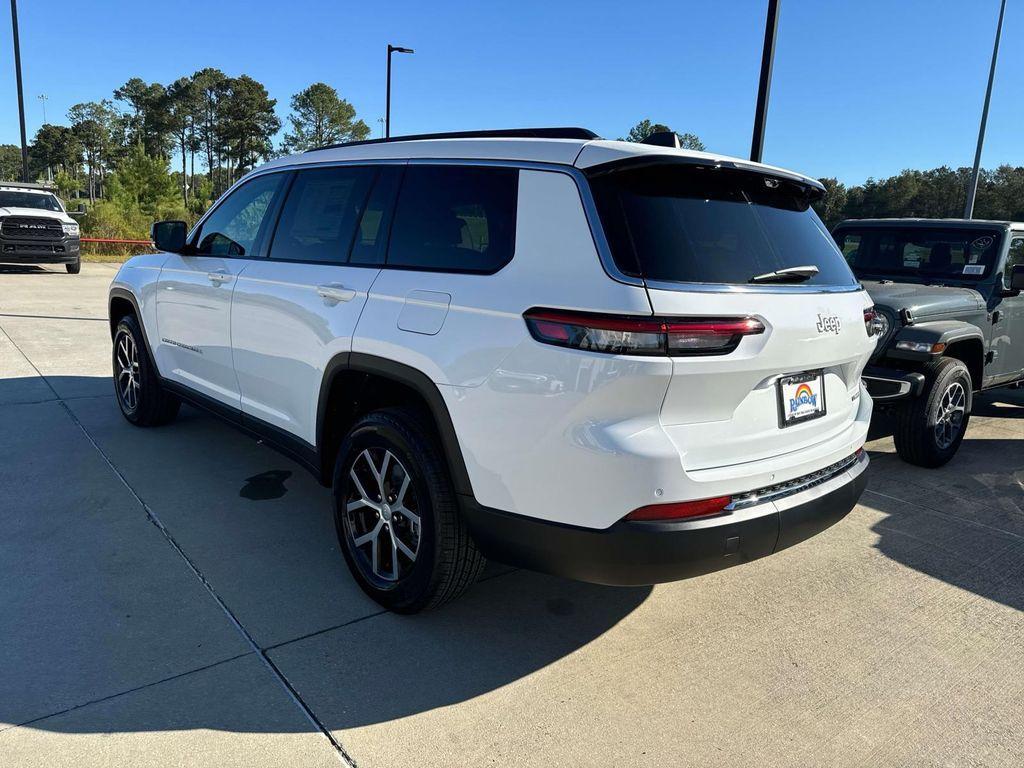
(949, 317)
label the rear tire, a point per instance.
(143, 401)
(393, 497)
(75, 267)
(930, 428)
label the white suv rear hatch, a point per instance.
(706, 241)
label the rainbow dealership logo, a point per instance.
(803, 396)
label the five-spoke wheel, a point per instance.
(380, 515)
(140, 395)
(126, 362)
(397, 516)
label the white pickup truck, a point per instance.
(36, 229)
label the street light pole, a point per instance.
(387, 106)
(21, 96)
(972, 189)
(765, 84)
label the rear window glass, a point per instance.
(455, 218)
(928, 252)
(695, 224)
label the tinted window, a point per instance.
(693, 224)
(10, 199)
(234, 226)
(372, 233)
(455, 218)
(319, 216)
(1015, 258)
(928, 252)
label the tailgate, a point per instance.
(724, 410)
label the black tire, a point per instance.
(148, 405)
(919, 437)
(75, 267)
(446, 561)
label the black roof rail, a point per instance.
(501, 133)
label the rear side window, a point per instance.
(235, 226)
(320, 214)
(455, 219)
(696, 224)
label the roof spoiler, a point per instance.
(663, 139)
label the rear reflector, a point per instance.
(627, 335)
(681, 510)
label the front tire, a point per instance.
(137, 388)
(396, 514)
(74, 267)
(930, 428)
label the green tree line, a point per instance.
(116, 153)
(935, 194)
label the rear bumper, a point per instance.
(64, 251)
(890, 384)
(634, 553)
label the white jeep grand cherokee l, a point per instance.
(622, 363)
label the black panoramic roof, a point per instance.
(581, 134)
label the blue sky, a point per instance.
(861, 87)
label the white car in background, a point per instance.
(35, 228)
(623, 363)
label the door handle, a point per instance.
(335, 292)
(219, 276)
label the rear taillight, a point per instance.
(626, 335)
(872, 321)
(681, 510)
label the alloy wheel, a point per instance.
(128, 382)
(382, 521)
(951, 416)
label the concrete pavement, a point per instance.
(175, 596)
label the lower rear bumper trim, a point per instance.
(636, 553)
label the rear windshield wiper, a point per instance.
(787, 275)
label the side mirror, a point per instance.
(1017, 278)
(169, 236)
(81, 208)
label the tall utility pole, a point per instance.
(765, 85)
(972, 190)
(21, 96)
(387, 106)
(43, 97)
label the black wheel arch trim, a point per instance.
(415, 380)
(124, 293)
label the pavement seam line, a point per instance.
(254, 646)
(343, 756)
(350, 622)
(125, 692)
(950, 518)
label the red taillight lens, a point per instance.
(681, 510)
(624, 335)
(872, 323)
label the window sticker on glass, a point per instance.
(982, 243)
(974, 269)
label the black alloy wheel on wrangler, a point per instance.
(930, 428)
(396, 514)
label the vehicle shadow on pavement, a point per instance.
(962, 523)
(99, 604)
